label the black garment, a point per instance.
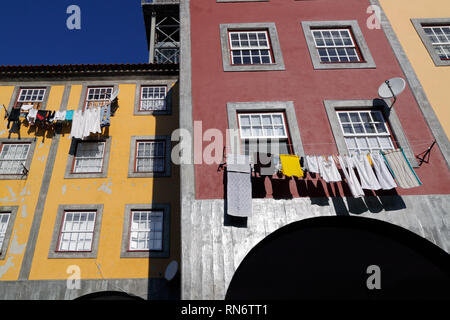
(42, 116)
(13, 116)
(264, 164)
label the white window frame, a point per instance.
(365, 135)
(4, 226)
(34, 95)
(249, 47)
(260, 114)
(77, 157)
(75, 234)
(20, 160)
(439, 43)
(163, 157)
(103, 94)
(151, 232)
(335, 46)
(153, 100)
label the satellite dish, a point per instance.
(171, 270)
(114, 95)
(391, 88)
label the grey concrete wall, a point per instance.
(214, 248)
(148, 289)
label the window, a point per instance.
(359, 126)
(260, 130)
(13, 157)
(260, 126)
(440, 39)
(153, 98)
(98, 96)
(31, 95)
(4, 219)
(89, 157)
(365, 131)
(435, 35)
(146, 230)
(77, 231)
(337, 45)
(149, 157)
(7, 217)
(250, 47)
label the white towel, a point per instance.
(328, 170)
(350, 176)
(384, 176)
(311, 164)
(368, 179)
(26, 107)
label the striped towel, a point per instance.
(401, 169)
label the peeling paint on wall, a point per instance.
(64, 189)
(24, 211)
(25, 192)
(13, 196)
(105, 187)
(6, 266)
(2, 132)
(15, 247)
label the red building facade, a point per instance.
(301, 63)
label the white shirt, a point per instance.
(328, 170)
(311, 164)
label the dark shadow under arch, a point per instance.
(108, 295)
(329, 257)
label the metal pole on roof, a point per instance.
(152, 38)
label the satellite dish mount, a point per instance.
(391, 89)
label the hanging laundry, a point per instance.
(366, 175)
(26, 107)
(13, 116)
(77, 125)
(60, 116)
(264, 164)
(239, 186)
(69, 115)
(31, 116)
(384, 176)
(290, 165)
(401, 169)
(105, 114)
(350, 176)
(328, 170)
(311, 164)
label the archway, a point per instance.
(342, 258)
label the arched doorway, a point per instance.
(342, 258)
(108, 295)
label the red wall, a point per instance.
(212, 88)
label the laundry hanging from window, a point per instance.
(239, 186)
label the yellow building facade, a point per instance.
(103, 208)
(423, 30)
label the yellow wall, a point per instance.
(114, 192)
(23, 193)
(435, 80)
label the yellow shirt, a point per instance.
(290, 165)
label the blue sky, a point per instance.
(34, 32)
